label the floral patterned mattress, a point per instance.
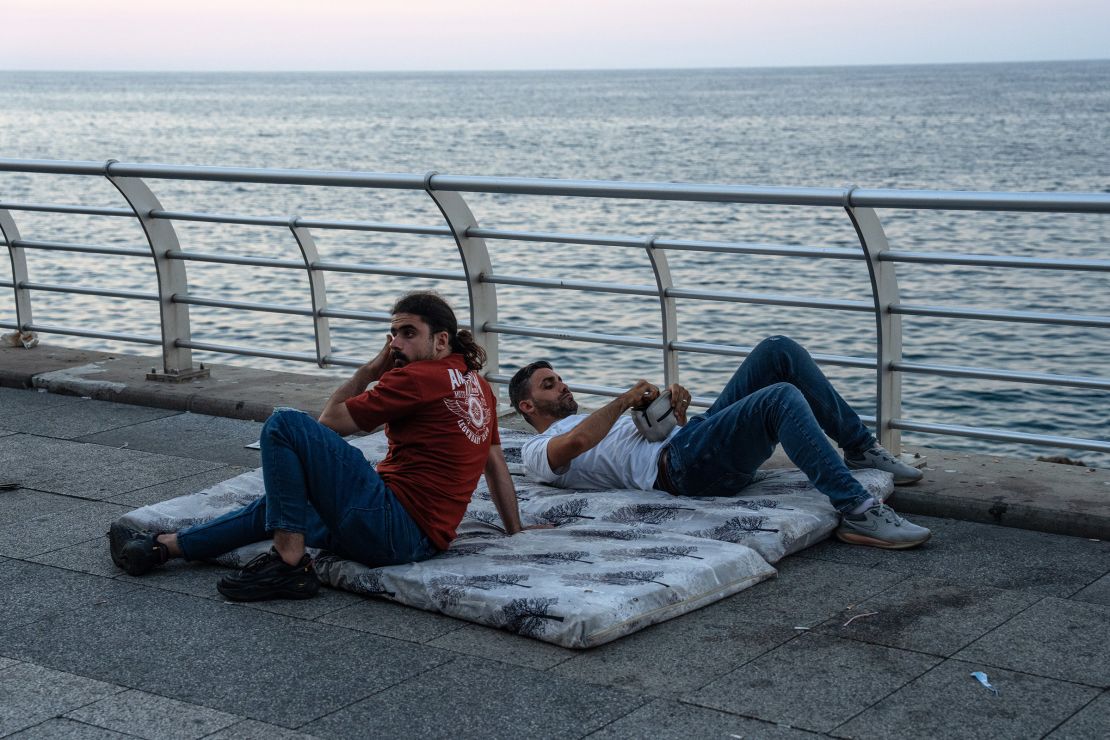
(614, 562)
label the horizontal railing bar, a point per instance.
(588, 286)
(706, 348)
(949, 200)
(80, 290)
(57, 208)
(839, 253)
(338, 313)
(230, 349)
(90, 334)
(767, 299)
(83, 248)
(361, 269)
(325, 266)
(640, 242)
(956, 371)
(1022, 317)
(591, 286)
(176, 254)
(343, 361)
(308, 223)
(575, 336)
(835, 197)
(993, 260)
(242, 305)
(999, 435)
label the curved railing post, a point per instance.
(19, 271)
(476, 263)
(884, 290)
(177, 361)
(669, 314)
(320, 327)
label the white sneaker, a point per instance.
(880, 458)
(880, 526)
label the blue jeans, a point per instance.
(321, 487)
(777, 395)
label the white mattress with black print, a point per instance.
(614, 562)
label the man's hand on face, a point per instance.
(641, 394)
(680, 402)
(383, 362)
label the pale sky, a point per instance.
(374, 35)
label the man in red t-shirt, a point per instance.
(441, 422)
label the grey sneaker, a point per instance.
(880, 526)
(880, 458)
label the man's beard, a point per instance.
(400, 359)
(559, 409)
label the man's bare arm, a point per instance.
(502, 490)
(335, 415)
(584, 437)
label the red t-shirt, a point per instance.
(440, 422)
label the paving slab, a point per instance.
(238, 658)
(5, 662)
(664, 719)
(948, 702)
(151, 716)
(177, 487)
(178, 576)
(89, 471)
(928, 615)
(328, 600)
(814, 682)
(1089, 723)
(188, 435)
(35, 592)
(805, 593)
(33, 694)
(388, 619)
(973, 554)
(49, 532)
(271, 657)
(25, 504)
(473, 698)
(17, 401)
(66, 729)
(250, 729)
(486, 642)
(1097, 593)
(90, 557)
(86, 416)
(141, 635)
(1057, 638)
(675, 657)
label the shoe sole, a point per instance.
(264, 594)
(861, 539)
(118, 537)
(897, 481)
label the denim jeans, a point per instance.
(321, 487)
(778, 395)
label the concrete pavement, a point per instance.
(846, 642)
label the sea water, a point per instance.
(1012, 127)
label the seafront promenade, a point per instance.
(845, 642)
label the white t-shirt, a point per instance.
(623, 459)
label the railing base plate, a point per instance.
(179, 376)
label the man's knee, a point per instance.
(284, 420)
(784, 394)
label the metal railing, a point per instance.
(446, 191)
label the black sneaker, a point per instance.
(269, 577)
(134, 550)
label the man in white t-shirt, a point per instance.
(778, 395)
